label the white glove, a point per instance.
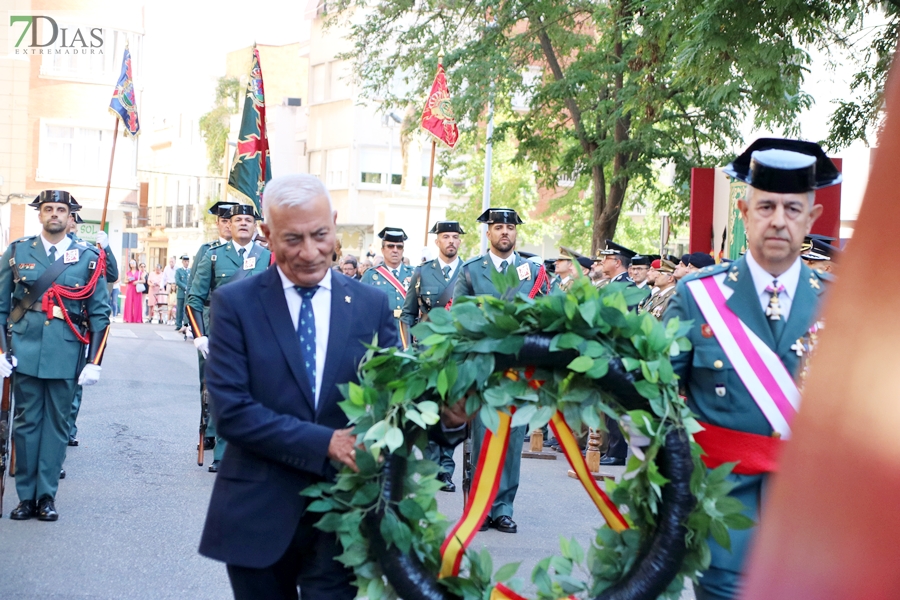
(5, 366)
(103, 239)
(202, 344)
(89, 375)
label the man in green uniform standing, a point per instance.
(223, 224)
(475, 279)
(235, 260)
(182, 277)
(431, 287)
(754, 323)
(393, 276)
(43, 279)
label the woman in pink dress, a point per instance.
(133, 312)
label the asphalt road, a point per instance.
(133, 502)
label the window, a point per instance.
(81, 154)
(169, 221)
(189, 215)
(319, 81)
(315, 163)
(370, 178)
(179, 216)
(531, 78)
(337, 163)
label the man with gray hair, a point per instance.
(274, 382)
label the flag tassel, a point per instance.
(430, 186)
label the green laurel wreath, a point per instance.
(400, 394)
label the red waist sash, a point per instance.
(755, 454)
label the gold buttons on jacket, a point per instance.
(718, 364)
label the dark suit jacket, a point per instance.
(262, 404)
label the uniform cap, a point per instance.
(57, 196)
(393, 234)
(500, 215)
(77, 217)
(240, 209)
(641, 260)
(613, 248)
(447, 227)
(701, 259)
(784, 166)
(585, 262)
(666, 266)
(185, 257)
(220, 208)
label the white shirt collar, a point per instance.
(452, 264)
(246, 248)
(222, 241)
(497, 260)
(61, 246)
(287, 283)
(762, 278)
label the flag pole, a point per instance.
(112, 156)
(430, 186)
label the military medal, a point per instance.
(71, 256)
(249, 263)
(706, 331)
(524, 272)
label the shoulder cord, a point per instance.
(57, 292)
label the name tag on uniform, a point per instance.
(71, 256)
(524, 272)
(249, 263)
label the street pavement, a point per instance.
(133, 502)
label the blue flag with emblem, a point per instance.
(252, 168)
(123, 102)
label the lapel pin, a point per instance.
(798, 347)
(733, 275)
(347, 299)
(813, 282)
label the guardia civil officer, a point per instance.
(237, 259)
(223, 225)
(393, 276)
(431, 287)
(182, 276)
(475, 279)
(48, 350)
(732, 381)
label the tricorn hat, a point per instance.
(393, 234)
(58, 196)
(500, 215)
(77, 217)
(185, 257)
(641, 260)
(220, 208)
(240, 209)
(784, 166)
(447, 227)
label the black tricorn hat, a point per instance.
(447, 227)
(641, 260)
(77, 217)
(240, 209)
(393, 234)
(613, 248)
(817, 248)
(784, 166)
(500, 215)
(220, 208)
(58, 196)
(185, 257)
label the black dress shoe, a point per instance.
(62, 473)
(23, 512)
(73, 442)
(209, 443)
(611, 461)
(46, 511)
(445, 478)
(486, 524)
(505, 524)
(214, 467)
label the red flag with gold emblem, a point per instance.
(437, 118)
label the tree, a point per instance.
(621, 85)
(215, 124)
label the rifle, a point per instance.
(7, 451)
(204, 419)
(467, 465)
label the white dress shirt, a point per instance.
(247, 248)
(511, 261)
(61, 246)
(321, 303)
(453, 265)
(761, 279)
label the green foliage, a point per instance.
(610, 89)
(401, 392)
(215, 123)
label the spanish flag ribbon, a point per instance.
(569, 446)
(501, 592)
(485, 484)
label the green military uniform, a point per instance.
(403, 274)
(48, 352)
(475, 279)
(182, 277)
(221, 265)
(714, 389)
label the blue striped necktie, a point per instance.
(306, 333)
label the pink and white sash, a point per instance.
(760, 369)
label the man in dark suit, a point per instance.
(273, 381)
